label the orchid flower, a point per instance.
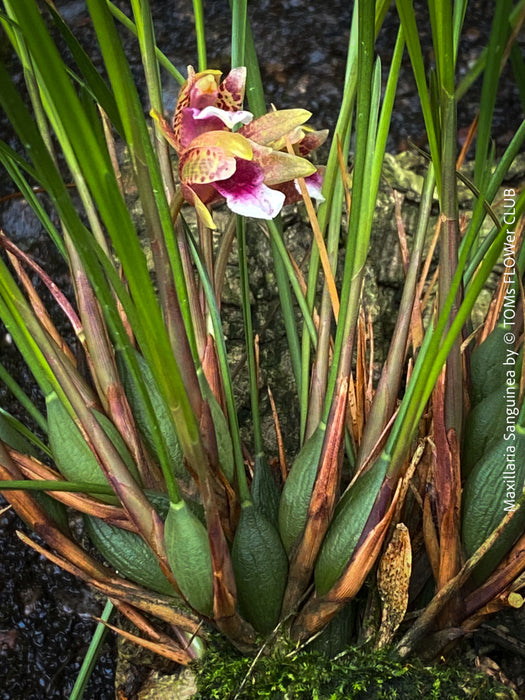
(225, 153)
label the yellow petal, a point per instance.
(207, 84)
(215, 74)
(293, 137)
(201, 209)
(204, 213)
(232, 144)
(274, 125)
(165, 128)
(281, 167)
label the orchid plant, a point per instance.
(137, 427)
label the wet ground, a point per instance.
(46, 615)
(46, 624)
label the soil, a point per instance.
(46, 616)
(46, 624)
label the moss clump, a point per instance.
(355, 674)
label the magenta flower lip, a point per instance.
(246, 194)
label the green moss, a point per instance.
(354, 674)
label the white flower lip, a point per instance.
(229, 119)
(261, 203)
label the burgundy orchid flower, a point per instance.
(225, 153)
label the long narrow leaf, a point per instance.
(94, 80)
(92, 653)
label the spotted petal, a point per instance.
(206, 164)
(231, 90)
(246, 194)
(311, 140)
